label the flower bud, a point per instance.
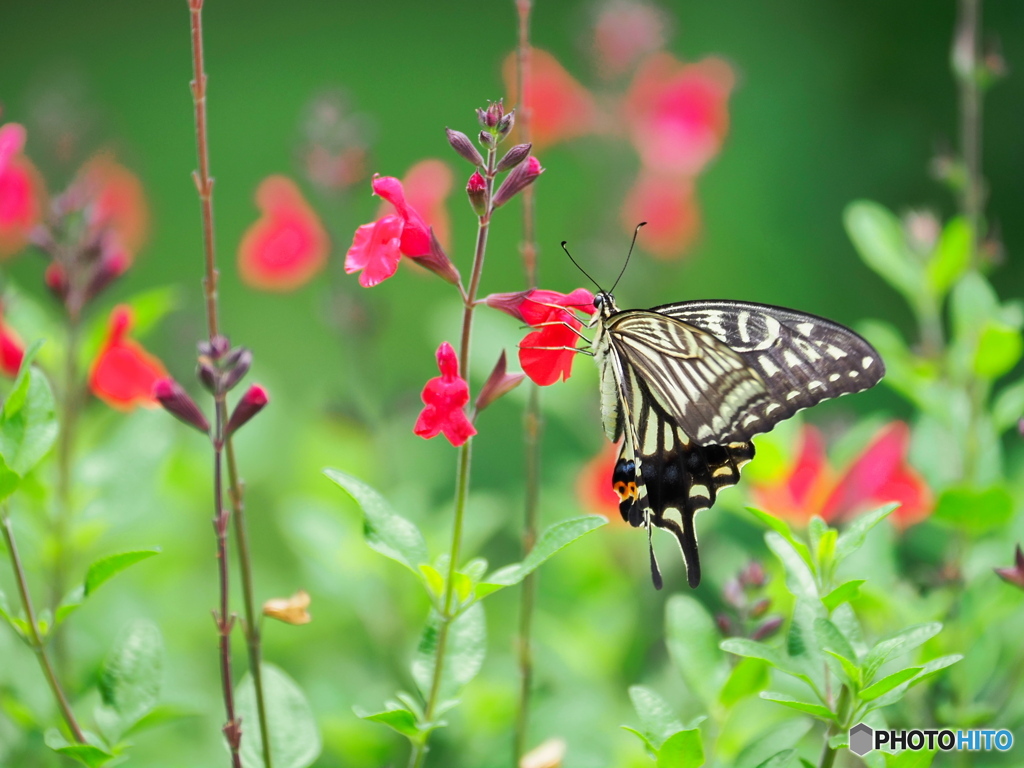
(504, 126)
(522, 176)
(252, 402)
(236, 364)
(724, 624)
(733, 593)
(760, 608)
(460, 143)
(498, 383)
(113, 264)
(476, 190)
(486, 139)
(490, 117)
(175, 400)
(290, 610)
(768, 628)
(514, 157)
(753, 575)
(215, 348)
(437, 261)
(207, 376)
(56, 280)
(509, 303)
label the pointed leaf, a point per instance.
(401, 720)
(464, 652)
(682, 750)
(799, 577)
(753, 649)
(952, 256)
(692, 639)
(88, 754)
(748, 677)
(888, 682)
(130, 679)
(28, 421)
(841, 594)
(107, 567)
(784, 759)
(804, 706)
(658, 719)
(386, 531)
(294, 737)
(878, 237)
(781, 528)
(853, 537)
(897, 644)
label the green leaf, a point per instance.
(999, 349)
(853, 537)
(748, 677)
(841, 594)
(908, 758)
(657, 718)
(777, 738)
(111, 565)
(434, 580)
(974, 511)
(783, 759)
(831, 639)
(799, 576)
(781, 528)
(161, 714)
(1008, 406)
(294, 737)
(897, 644)
(927, 670)
(804, 706)
(692, 639)
(878, 237)
(753, 649)
(847, 670)
(28, 422)
(401, 720)
(557, 537)
(682, 750)
(386, 531)
(130, 680)
(87, 754)
(952, 256)
(888, 682)
(464, 652)
(648, 746)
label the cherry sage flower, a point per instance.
(124, 375)
(445, 398)
(21, 191)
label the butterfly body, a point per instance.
(686, 386)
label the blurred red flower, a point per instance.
(668, 204)
(677, 113)
(12, 351)
(425, 189)
(21, 191)
(879, 475)
(124, 374)
(560, 107)
(594, 485)
(624, 32)
(377, 247)
(114, 201)
(546, 355)
(287, 246)
(445, 398)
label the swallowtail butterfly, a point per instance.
(686, 386)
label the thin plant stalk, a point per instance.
(222, 514)
(972, 198)
(34, 638)
(463, 463)
(533, 424)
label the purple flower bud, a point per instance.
(486, 139)
(760, 608)
(490, 117)
(753, 575)
(768, 628)
(208, 376)
(175, 400)
(252, 402)
(236, 365)
(498, 383)
(1015, 574)
(733, 593)
(460, 143)
(522, 176)
(724, 625)
(504, 126)
(514, 157)
(476, 191)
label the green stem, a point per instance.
(236, 492)
(828, 755)
(532, 421)
(34, 638)
(447, 615)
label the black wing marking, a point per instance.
(664, 479)
(803, 359)
(705, 387)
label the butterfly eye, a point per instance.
(598, 301)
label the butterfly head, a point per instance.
(604, 303)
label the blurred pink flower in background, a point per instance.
(880, 474)
(287, 246)
(668, 205)
(561, 108)
(114, 201)
(124, 374)
(21, 191)
(624, 32)
(12, 351)
(677, 113)
(594, 485)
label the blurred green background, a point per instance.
(834, 102)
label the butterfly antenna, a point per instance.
(581, 269)
(635, 233)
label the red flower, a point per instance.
(377, 246)
(624, 32)
(668, 205)
(677, 112)
(445, 399)
(124, 374)
(425, 189)
(115, 201)
(560, 107)
(21, 191)
(594, 485)
(878, 476)
(287, 245)
(12, 351)
(546, 354)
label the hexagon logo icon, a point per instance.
(862, 739)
